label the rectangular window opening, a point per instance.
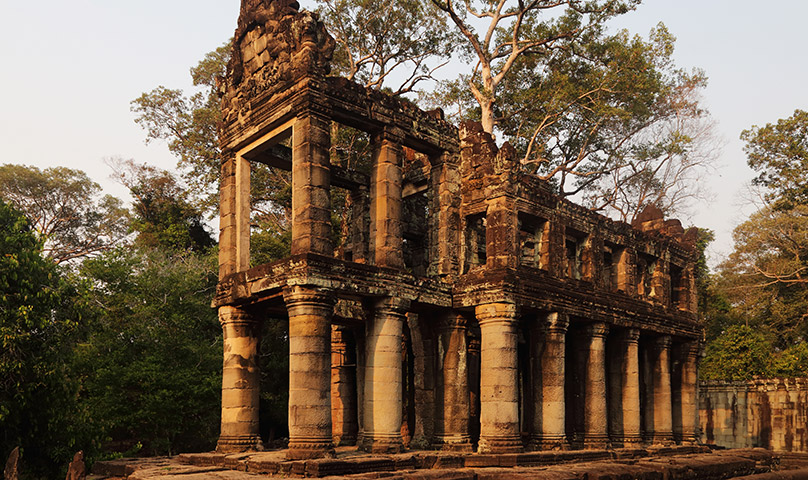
(612, 274)
(677, 288)
(475, 241)
(532, 241)
(415, 232)
(646, 266)
(574, 244)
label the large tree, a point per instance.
(162, 214)
(393, 45)
(779, 153)
(40, 316)
(151, 359)
(766, 275)
(499, 34)
(765, 278)
(612, 120)
(65, 208)
(188, 124)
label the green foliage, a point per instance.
(792, 362)
(162, 214)
(610, 117)
(763, 281)
(267, 245)
(65, 208)
(38, 324)
(740, 353)
(764, 277)
(497, 35)
(189, 124)
(779, 153)
(151, 362)
(377, 38)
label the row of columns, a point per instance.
(668, 395)
(310, 416)
(603, 423)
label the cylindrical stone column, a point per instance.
(499, 389)
(549, 406)
(689, 397)
(343, 387)
(382, 412)
(453, 388)
(385, 200)
(630, 394)
(361, 351)
(240, 381)
(309, 372)
(663, 419)
(596, 433)
(311, 185)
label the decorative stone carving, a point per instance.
(77, 469)
(12, 470)
(275, 44)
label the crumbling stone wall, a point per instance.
(768, 413)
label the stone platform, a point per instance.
(623, 464)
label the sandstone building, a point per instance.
(463, 303)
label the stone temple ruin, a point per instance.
(464, 303)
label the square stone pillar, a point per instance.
(385, 200)
(625, 419)
(499, 388)
(595, 411)
(234, 216)
(241, 381)
(383, 389)
(452, 431)
(311, 185)
(548, 353)
(343, 386)
(501, 232)
(444, 226)
(310, 314)
(661, 431)
(685, 417)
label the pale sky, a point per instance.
(70, 70)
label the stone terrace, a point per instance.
(677, 463)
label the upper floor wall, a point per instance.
(433, 201)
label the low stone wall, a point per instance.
(768, 413)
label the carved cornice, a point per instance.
(596, 330)
(229, 315)
(392, 306)
(631, 335)
(496, 313)
(297, 296)
(555, 322)
(663, 342)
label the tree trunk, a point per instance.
(487, 114)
